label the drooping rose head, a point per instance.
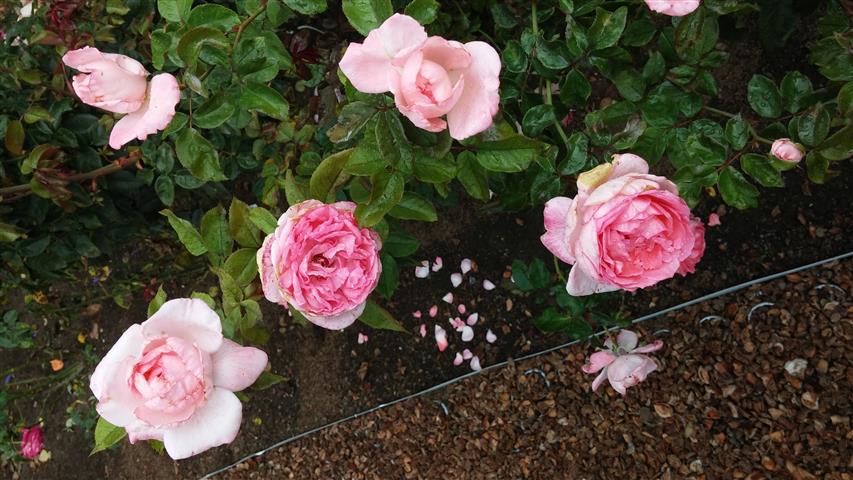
(31, 442)
(172, 379)
(321, 262)
(430, 77)
(787, 151)
(673, 8)
(119, 84)
(625, 229)
(623, 363)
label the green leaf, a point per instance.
(551, 320)
(813, 126)
(578, 328)
(509, 155)
(795, 88)
(365, 15)
(157, 302)
(764, 97)
(15, 137)
(736, 190)
(34, 158)
(214, 233)
(189, 46)
(654, 69)
(161, 42)
(392, 143)
(214, 16)
(327, 175)
(198, 156)
(400, 243)
(537, 119)
(240, 225)
(37, 113)
(187, 234)
(513, 57)
(737, 132)
(390, 277)
(307, 7)
(575, 89)
(696, 35)
(293, 190)
(845, 100)
(424, 11)
(434, 170)
(638, 33)
(690, 180)
(761, 169)
(242, 265)
(365, 159)
(174, 10)
(839, 146)
(553, 54)
(214, 112)
(414, 207)
(264, 99)
(106, 435)
(387, 191)
(578, 154)
(375, 316)
(350, 121)
(472, 176)
(164, 187)
(817, 167)
(607, 27)
(630, 83)
(232, 295)
(266, 380)
(263, 219)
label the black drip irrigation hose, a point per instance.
(504, 363)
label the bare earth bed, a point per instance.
(723, 405)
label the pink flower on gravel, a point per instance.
(31, 442)
(173, 377)
(623, 363)
(787, 151)
(118, 84)
(673, 8)
(625, 229)
(321, 262)
(430, 77)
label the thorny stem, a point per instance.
(247, 21)
(117, 165)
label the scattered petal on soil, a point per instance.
(423, 330)
(467, 333)
(436, 266)
(457, 323)
(421, 272)
(465, 266)
(457, 360)
(490, 336)
(472, 319)
(475, 364)
(461, 308)
(456, 279)
(466, 354)
(713, 220)
(416, 314)
(448, 298)
(488, 285)
(433, 311)
(440, 338)
(362, 338)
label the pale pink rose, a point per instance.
(118, 84)
(787, 151)
(321, 262)
(31, 442)
(625, 229)
(173, 377)
(430, 77)
(623, 363)
(673, 8)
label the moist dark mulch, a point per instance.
(760, 389)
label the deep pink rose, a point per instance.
(321, 262)
(430, 77)
(31, 442)
(172, 379)
(673, 8)
(625, 229)
(787, 151)
(118, 84)
(622, 364)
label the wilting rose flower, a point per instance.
(321, 262)
(119, 84)
(787, 151)
(172, 379)
(31, 442)
(673, 8)
(622, 364)
(430, 77)
(625, 229)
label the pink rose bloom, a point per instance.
(173, 379)
(625, 229)
(787, 151)
(622, 364)
(673, 8)
(31, 442)
(430, 77)
(118, 84)
(321, 262)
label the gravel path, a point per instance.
(760, 395)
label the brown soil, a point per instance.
(722, 405)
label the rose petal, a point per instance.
(461, 308)
(456, 279)
(236, 367)
(472, 319)
(488, 285)
(421, 272)
(457, 360)
(187, 318)
(627, 340)
(714, 220)
(417, 314)
(475, 364)
(466, 354)
(448, 298)
(423, 330)
(465, 265)
(216, 423)
(436, 266)
(467, 333)
(433, 311)
(440, 338)
(480, 98)
(490, 336)
(154, 115)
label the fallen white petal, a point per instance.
(456, 279)
(448, 298)
(466, 354)
(465, 266)
(440, 338)
(491, 337)
(362, 338)
(472, 319)
(457, 360)
(457, 323)
(475, 364)
(488, 285)
(436, 266)
(421, 272)
(467, 333)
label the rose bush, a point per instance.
(172, 378)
